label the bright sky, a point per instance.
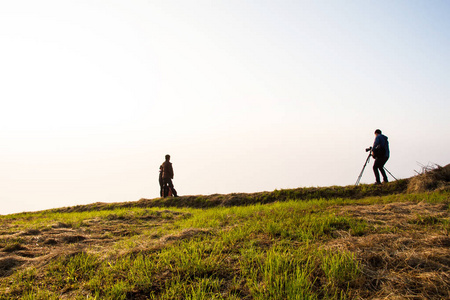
(245, 96)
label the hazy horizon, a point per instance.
(245, 96)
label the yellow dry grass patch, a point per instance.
(409, 260)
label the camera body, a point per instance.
(368, 149)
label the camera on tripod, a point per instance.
(367, 161)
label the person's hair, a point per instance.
(378, 131)
(167, 156)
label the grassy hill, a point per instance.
(390, 241)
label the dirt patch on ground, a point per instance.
(8, 264)
(409, 257)
(397, 215)
(33, 247)
(186, 234)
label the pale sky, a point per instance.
(245, 96)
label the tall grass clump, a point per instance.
(278, 274)
(341, 269)
(73, 269)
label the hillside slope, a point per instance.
(367, 242)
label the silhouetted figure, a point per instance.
(167, 176)
(380, 151)
(161, 181)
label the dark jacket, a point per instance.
(167, 170)
(381, 145)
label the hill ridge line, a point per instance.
(242, 199)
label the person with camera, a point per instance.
(380, 152)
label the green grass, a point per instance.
(259, 251)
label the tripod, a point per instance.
(362, 171)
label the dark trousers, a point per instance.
(168, 181)
(379, 165)
(161, 186)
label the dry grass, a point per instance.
(243, 199)
(408, 259)
(32, 247)
(432, 177)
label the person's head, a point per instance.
(377, 132)
(167, 157)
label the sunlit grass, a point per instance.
(270, 251)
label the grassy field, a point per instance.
(368, 242)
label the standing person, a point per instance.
(167, 174)
(380, 151)
(161, 181)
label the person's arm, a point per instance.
(376, 143)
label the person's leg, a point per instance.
(376, 166)
(165, 188)
(383, 173)
(174, 192)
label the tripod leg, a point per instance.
(390, 173)
(362, 171)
